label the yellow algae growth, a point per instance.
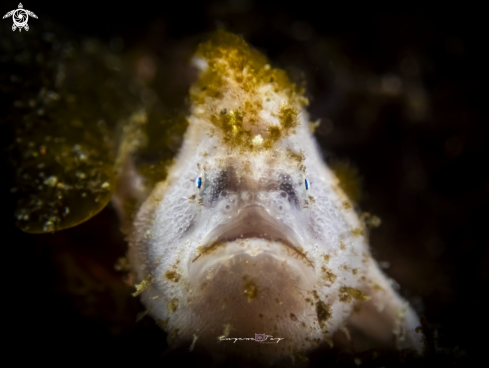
(328, 274)
(172, 276)
(252, 104)
(143, 286)
(250, 289)
(323, 312)
(347, 293)
(172, 305)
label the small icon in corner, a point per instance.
(20, 17)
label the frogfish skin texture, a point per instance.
(250, 232)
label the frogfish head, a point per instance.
(249, 233)
(250, 270)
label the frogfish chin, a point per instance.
(250, 247)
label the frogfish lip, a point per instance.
(253, 222)
(251, 267)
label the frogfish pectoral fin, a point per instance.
(385, 319)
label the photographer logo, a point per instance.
(20, 17)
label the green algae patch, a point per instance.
(67, 113)
(77, 118)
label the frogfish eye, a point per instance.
(306, 182)
(198, 182)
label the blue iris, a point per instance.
(198, 182)
(307, 183)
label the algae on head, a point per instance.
(237, 86)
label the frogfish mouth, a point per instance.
(250, 235)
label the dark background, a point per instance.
(400, 93)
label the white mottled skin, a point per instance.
(290, 286)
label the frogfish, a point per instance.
(248, 246)
(250, 234)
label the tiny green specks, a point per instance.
(67, 136)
